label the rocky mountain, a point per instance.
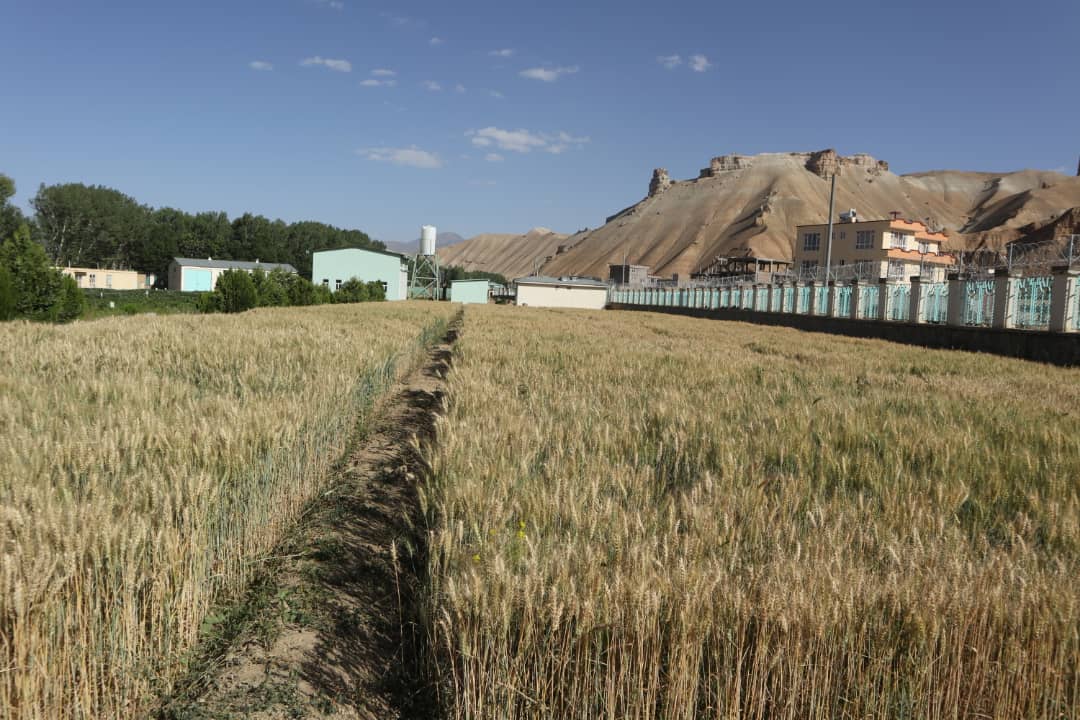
(750, 205)
(509, 255)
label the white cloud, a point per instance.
(504, 53)
(338, 65)
(260, 65)
(433, 86)
(435, 41)
(563, 141)
(493, 157)
(383, 72)
(374, 82)
(459, 88)
(523, 141)
(548, 74)
(670, 61)
(699, 63)
(407, 157)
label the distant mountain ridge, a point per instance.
(507, 254)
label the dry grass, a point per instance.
(148, 466)
(646, 516)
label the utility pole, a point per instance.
(828, 243)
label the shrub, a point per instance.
(35, 284)
(71, 302)
(236, 291)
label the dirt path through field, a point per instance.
(332, 632)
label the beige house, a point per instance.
(564, 292)
(868, 250)
(96, 278)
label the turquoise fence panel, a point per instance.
(1076, 309)
(936, 301)
(725, 297)
(776, 299)
(734, 298)
(714, 299)
(900, 303)
(821, 300)
(843, 301)
(803, 303)
(761, 299)
(870, 303)
(1033, 302)
(978, 302)
(789, 299)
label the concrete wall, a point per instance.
(469, 291)
(1054, 348)
(106, 279)
(564, 296)
(333, 267)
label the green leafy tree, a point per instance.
(36, 284)
(7, 294)
(86, 225)
(271, 288)
(236, 291)
(351, 291)
(301, 291)
(11, 217)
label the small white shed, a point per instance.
(565, 292)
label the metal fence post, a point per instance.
(1065, 299)
(917, 312)
(884, 301)
(855, 306)
(957, 297)
(831, 307)
(1004, 299)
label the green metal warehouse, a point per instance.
(469, 291)
(331, 268)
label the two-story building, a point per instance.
(872, 249)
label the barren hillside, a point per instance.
(510, 255)
(751, 204)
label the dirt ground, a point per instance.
(332, 631)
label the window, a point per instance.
(325, 282)
(843, 234)
(864, 239)
(924, 247)
(809, 266)
(337, 284)
(384, 286)
(108, 281)
(897, 268)
(899, 241)
(93, 280)
(811, 242)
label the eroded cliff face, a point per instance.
(660, 182)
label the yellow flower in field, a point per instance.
(476, 558)
(521, 534)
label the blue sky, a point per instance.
(499, 116)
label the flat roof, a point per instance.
(232, 264)
(470, 280)
(567, 281)
(399, 256)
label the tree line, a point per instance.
(95, 226)
(239, 290)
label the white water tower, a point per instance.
(425, 275)
(428, 234)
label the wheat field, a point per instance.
(644, 516)
(149, 465)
